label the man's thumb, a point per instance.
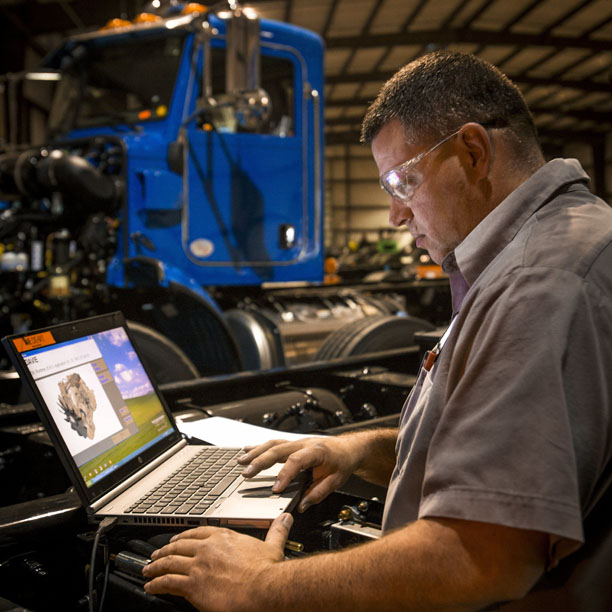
(279, 530)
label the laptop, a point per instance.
(118, 440)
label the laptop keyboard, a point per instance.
(194, 487)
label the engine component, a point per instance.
(130, 563)
(345, 533)
(299, 410)
(78, 180)
(77, 402)
(38, 173)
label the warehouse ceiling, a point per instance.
(558, 51)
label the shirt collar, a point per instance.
(502, 224)
(458, 285)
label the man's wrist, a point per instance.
(266, 588)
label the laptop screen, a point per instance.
(101, 400)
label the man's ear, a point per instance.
(477, 150)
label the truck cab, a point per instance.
(182, 152)
(220, 179)
(179, 180)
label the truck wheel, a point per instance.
(164, 360)
(371, 334)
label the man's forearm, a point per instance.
(376, 451)
(425, 566)
(432, 564)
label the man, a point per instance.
(502, 448)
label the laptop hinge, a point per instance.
(139, 475)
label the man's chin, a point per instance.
(435, 256)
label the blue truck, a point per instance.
(179, 178)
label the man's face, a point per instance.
(436, 214)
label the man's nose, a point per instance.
(399, 213)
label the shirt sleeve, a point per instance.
(522, 434)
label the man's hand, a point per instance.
(216, 569)
(332, 459)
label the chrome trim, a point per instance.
(317, 166)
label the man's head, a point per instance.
(437, 93)
(456, 114)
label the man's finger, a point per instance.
(319, 490)
(168, 564)
(304, 459)
(277, 453)
(171, 584)
(186, 547)
(250, 452)
(198, 533)
(279, 531)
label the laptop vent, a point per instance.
(156, 520)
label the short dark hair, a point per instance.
(437, 93)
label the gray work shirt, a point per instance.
(516, 428)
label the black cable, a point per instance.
(105, 526)
(106, 572)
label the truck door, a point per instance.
(248, 191)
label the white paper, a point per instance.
(227, 432)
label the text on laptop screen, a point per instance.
(101, 400)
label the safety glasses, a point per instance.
(401, 182)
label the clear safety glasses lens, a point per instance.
(401, 182)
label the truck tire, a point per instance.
(371, 334)
(164, 360)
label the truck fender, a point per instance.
(141, 270)
(176, 306)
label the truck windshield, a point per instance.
(127, 81)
